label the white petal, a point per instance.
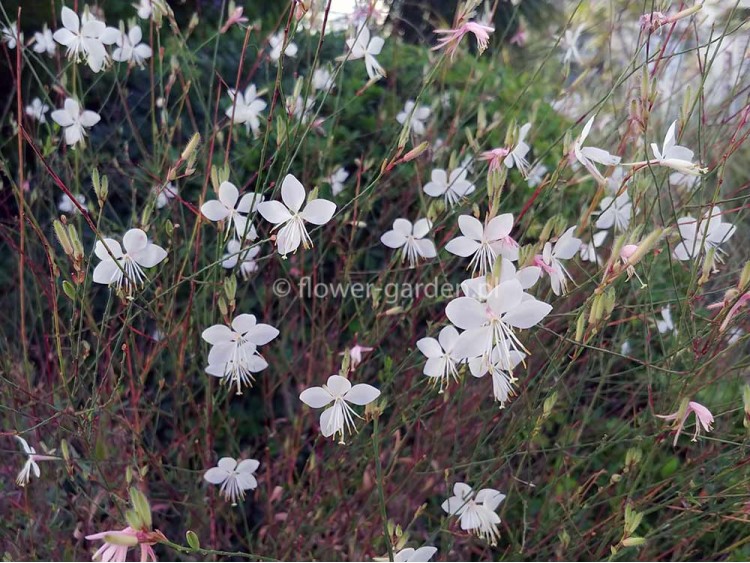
(362, 394)
(274, 212)
(315, 397)
(214, 210)
(338, 385)
(528, 314)
(319, 211)
(292, 193)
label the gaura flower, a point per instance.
(235, 17)
(355, 354)
(479, 288)
(85, 38)
(235, 478)
(164, 194)
(703, 419)
(130, 49)
(615, 211)
(698, 238)
(244, 257)
(246, 108)
(450, 38)
(411, 555)
(337, 179)
(411, 240)
(276, 42)
(74, 120)
(322, 79)
(415, 115)
(453, 187)
(31, 465)
(118, 542)
(10, 35)
(143, 8)
(476, 513)
(500, 369)
(126, 268)
(290, 218)
(665, 324)
(484, 243)
(551, 259)
(588, 250)
(442, 357)
(43, 42)
(37, 110)
(66, 205)
(626, 252)
(569, 42)
(510, 156)
(675, 156)
(587, 156)
(362, 46)
(227, 207)
(495, 157)
(338, 418)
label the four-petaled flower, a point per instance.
(31, 464)
(337, 179)
(703, 419)
(339, 417)
(701, 237)
(235, 478)
(290, 218)
(126, 268)
(85, 38)
(551, 258)
(589, 155)
(415, 115)
(484, 243)
(476, 513)
(501, 370)
(246, 108)
(362, 46)
(74, 120)
(411, 555)
(118, 542)
(245, 257)
(43, 42)
(130, 49)
(227, 207)
(442, 357)
(37, 110)
(675, 156)
(411, 240)
(450, 38)
(276, 42)
(453, 187)
(615, 211)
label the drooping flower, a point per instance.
(164, 194)
(517, 153)
(703, 419)
(230, 206)
(700, 237)
(551, 259)
(484, 243)
(451, 38)
(675, 156)
(244, 257)
(588, 250)
(235, 478)
(74, 120)
(355, 354)
(290, 218)
(130, 49)
(235, 17)
(246, 108)
(338, 418)
(44, 42)
(362, 46)
(442, 358)
(125, 269)
(587, 156)
(31, 465)
(453, 187)
(411, 240)
(234, 350)
(37, 110)
(9, 35)
(500, 370)
(66, 204)
(626, 253)
(276, 42)
(476, 513)
(85, 38)
(493, 322)
(415, 115)
(411, 555)
(615, 211)
(495, 157)
(337, 179)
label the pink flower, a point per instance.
(235, 17)
(117, 543)
(355, 353)
(625, 253)
(495, 158)
(734, 311)
(452, 37)
(703, 418)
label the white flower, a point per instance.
(415, 115)
(479, 288)
(234, 478)
(517, 155)
(676, 156)
(85, 38)
(126, 268)
(300, 108)
(666, 324)
(246, 108)
(43, 42)
(233, 355)
(476, 513)
(589, 155)
(501, 370)
(484, 243)
(227, 207)
(290, 218)
(361, 46)
(276, 41)
(615, 211)
(551, 259)
(31, 464)
(10, 35)
(337, 179)
(74, 120)
(37, 110)
(355, 354)
(442, 359)
(453, 187)
(164, 194)
(411, 555)
(411, 239)
(322, 79)
(66, 205)
(711, 234)
(492, 323)
(536, 175)
(588, 250)
(144, 9)
(338, 418)
(245, 258)
(130, 49)
(569, 42)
